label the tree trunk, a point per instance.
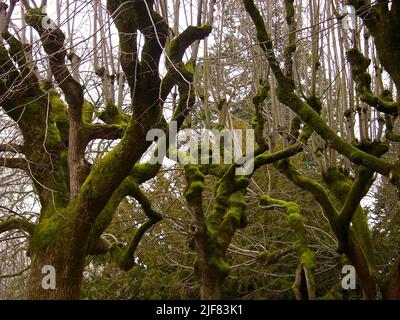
(68, 276)
(210, 280)
(393, 289)
(358, 259)
(59, 244)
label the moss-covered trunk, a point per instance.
(210, 280)
(68, 272)
(59, 241)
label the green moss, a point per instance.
(293, 210)
(195, 187)
(48, 230)
(295, 219)
(59, 111)
(241, 183)
(142, 172)
(219, 264)
(195, 180)
(116, 250)
(100, 71)
(190, 67)
(177, 46)
(111, 115)
(53, 139)
(87, 112)
(262, 93)
(35, 12)
(315, 103)
(339, 183)
(307, 259)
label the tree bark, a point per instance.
(68, 279)
(393, 289)
(210, 281)
(60, 243)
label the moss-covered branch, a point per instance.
(53, 44)
(18, 224)
(18, 53)
(52, 40)
(358, 190)
(264, 39)
(108, 132)
(139, 174)
(122, 15)
(112, 116)
(349, 241)
(382, 24)
(11, 147)
(359, 65)
(270, 258)
(127, 260)
(316, 189)
(259, 121)
(14, 163)
(178, 46)
(307, 257)
(308, 115)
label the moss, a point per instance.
(100, 71)
(195, 187)
(220, 264)
(48, 230)
(241, 183)
(53, 139)
(315, 103)
(338, 182)
(233, 219)
(111, 115)
(59, 111)
(293, 210)
(363, 235)
(177, 46)
(87, 112)
(190, 67)
(195, 181)
(194, 173)
(262, 93)
(307, 259)
(34, 12)
(116, 250)
(142, 172)
(224, 189)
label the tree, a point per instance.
(366, 156)
(77, 200)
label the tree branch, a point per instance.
(359, 65)
(14, 163)
(11, 147)
(19, 224)
(53, 44)
(287, 95)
